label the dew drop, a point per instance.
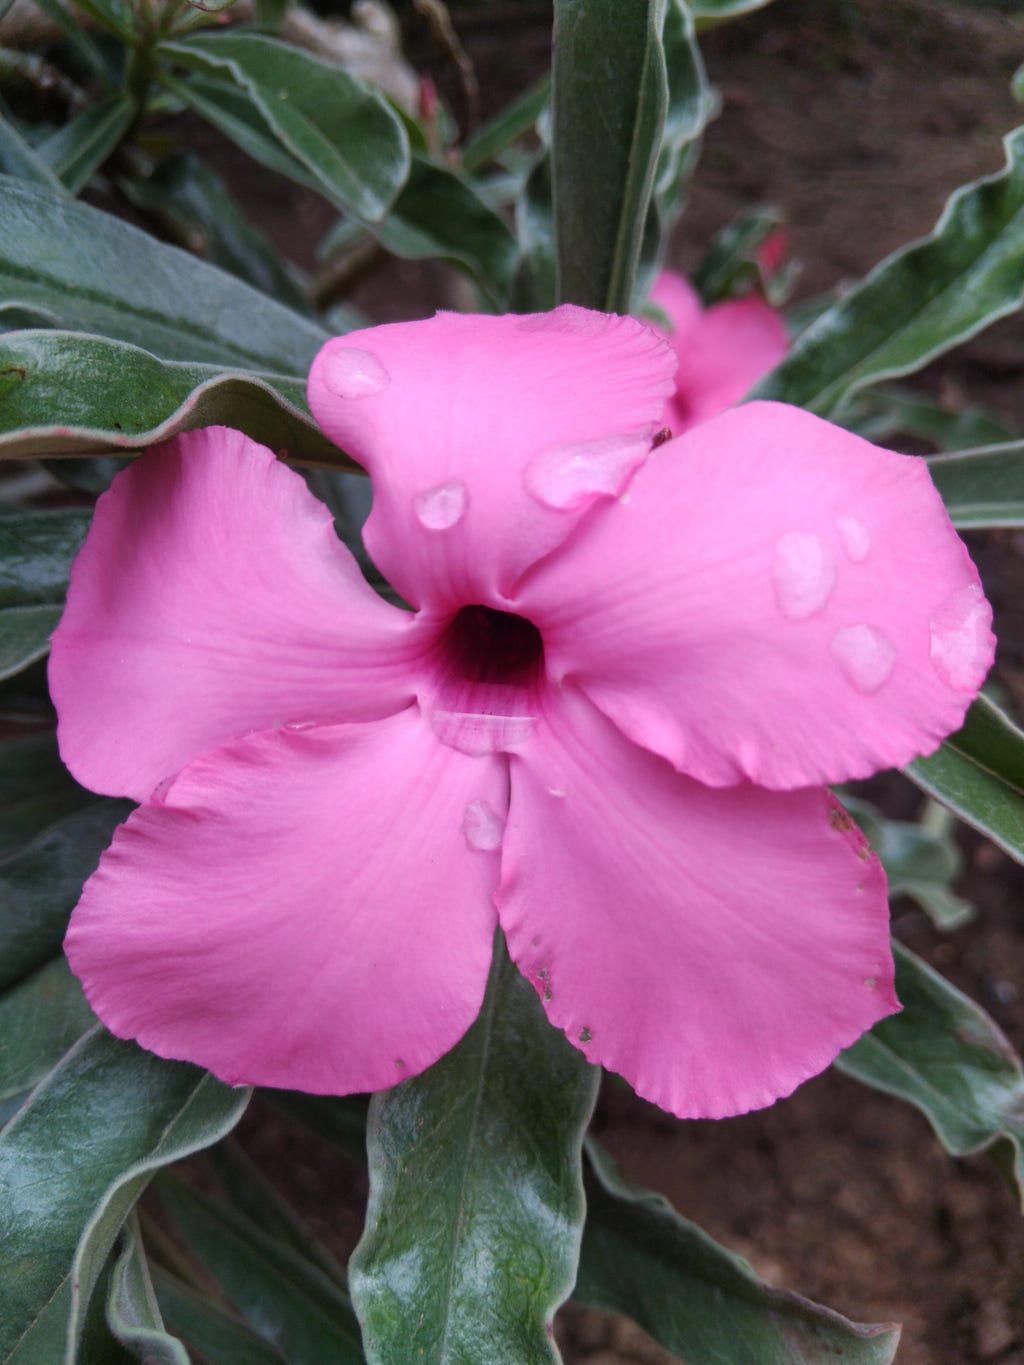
(871, 982)
(441, 508)
(856, 538)
(866, 656)
(569, 476)
(482, 827)
(555, 791)
(476, 734)
(350, 372)
(960, 642)
(803, 574)
(299, 724)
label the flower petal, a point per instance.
(774, 598)
(678, 300)
(303, 910)
(213, 597)
(734, 345)
(488, 437)
(716, 947)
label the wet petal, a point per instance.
(488, 437)
(213, 597)
(716, 947)
(774, 598)
(299, 912)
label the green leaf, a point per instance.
(720, 10)
(881, 414)
(65, 393)
(40, 885)
(919, 302)
(189, 198)
(37, 546)
(286, 1298)
(35, 790)
(695, 1298)
(982, 488)
(979, 774)
(514, 121)
(40, 1018)
(21, 160)
(77, 268)
(222, 1338)
(248, 1191)
(919, 861)
(345, 135)
(114, 15)
(731, 260)
(72, 1164)
(476, 1201)
(944, 1055)
(80, 148)
(691, 102)
(132, 1312)
(607, 135)
(25, 636)
(439, 215)
(535, 286)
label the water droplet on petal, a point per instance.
(350, 372)
(482, 826)
(569, 476)
(440, 508)
(866, 656)
(855, 537)
(803, 574)
(299, 724)
(476, 734)
(555, 791)
(960, 641)
(871, 982)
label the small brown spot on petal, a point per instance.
(585, 1035)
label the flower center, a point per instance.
(482, 645)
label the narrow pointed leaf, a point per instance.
(721, 10)
(25, 636)
(882, 414)
(345, 135)
(78, 268)
(695, 1298)
(476, 1201)
(41, 883)
(919, 302)
(440, 216)
(514, 121)
(535, 285)
(607, 136)
(248, 1191)
(691, 102)
(40, 1019)
(72, 1164)
(984, 487)
(195, 203)
(222, 1338)
(947, 1057)
(132, 1311)
(284, 1297)
(22, 161)
(80, 148)
(66, 393)
(979, 774)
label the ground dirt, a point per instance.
(857, 120)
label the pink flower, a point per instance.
(605, 724)
(723, 350)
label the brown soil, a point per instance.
(858, 120)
